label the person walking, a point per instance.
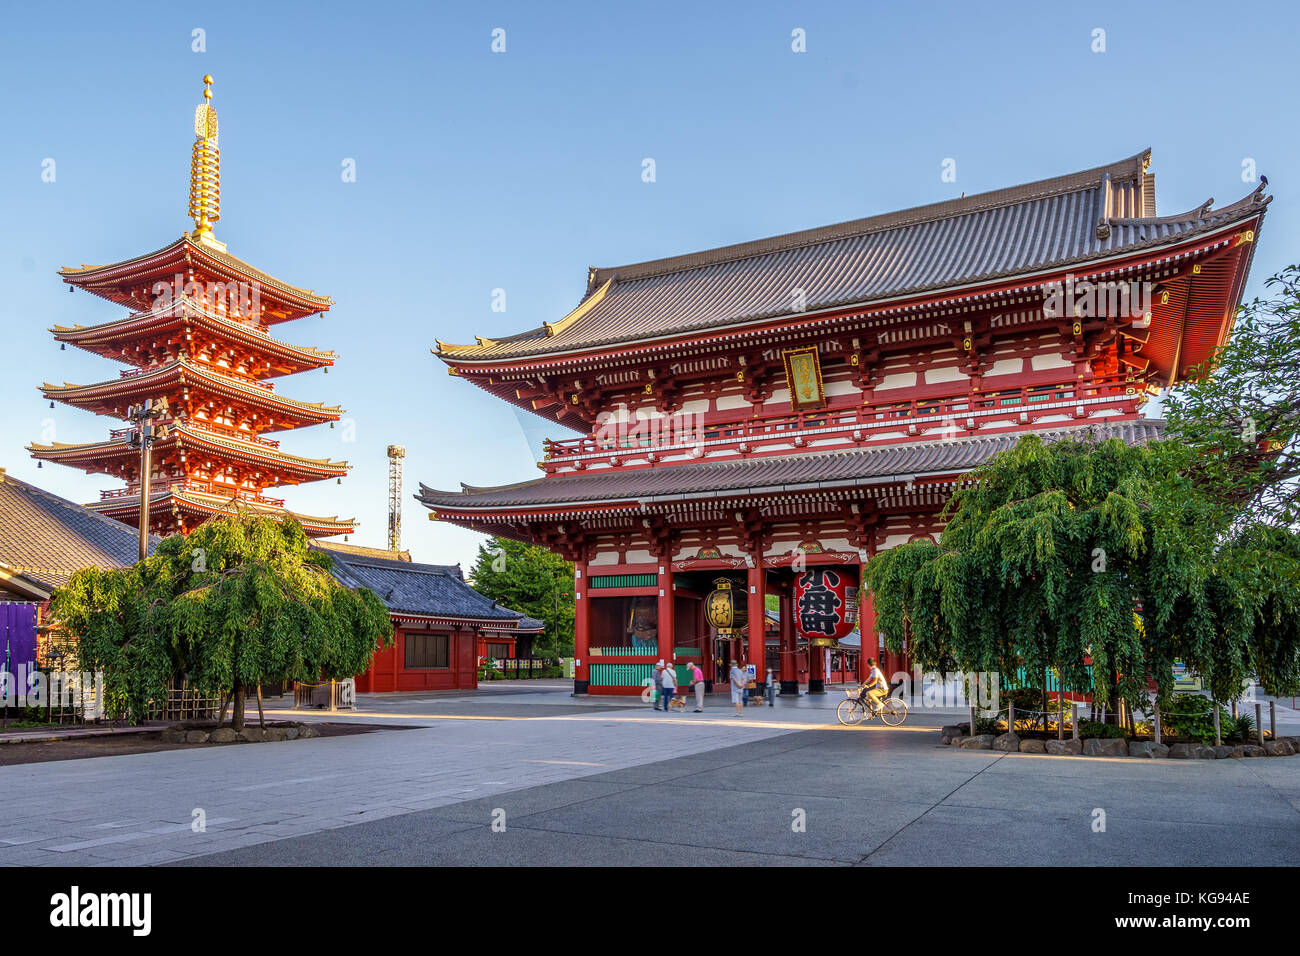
(659, 683)
(697, 681)
(738, 681)
(670, 684)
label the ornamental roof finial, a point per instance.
(205, 167)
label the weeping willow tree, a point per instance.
(1053, 553)
(239, 602)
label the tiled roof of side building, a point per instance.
(45, 538)
(767, 475)
(1019, 230)
(427, 590)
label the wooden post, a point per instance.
(667, 634)
(1074, 719)
(756, 578)
(1011, 718)
(790, 647)
(1259, 724)
(1155, 727)
(1272, 720)
(581, 634)
(1060, 712)
(972, 721)
(1218, 734)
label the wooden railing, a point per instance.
(204, 487)
(233, 434)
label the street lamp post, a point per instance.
(143, 438)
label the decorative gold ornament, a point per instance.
(205, 167)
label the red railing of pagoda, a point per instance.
(686, 429)
(194, 425)
(207, 367)
(203, 487)
(189, 306)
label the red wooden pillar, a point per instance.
(789, 666)
(581, 632)
(816, 669)
(667, 617)
(867, 628)
(757, 624)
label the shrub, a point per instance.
(1089, 729)
(1243, 728)
(1192, 716)
(987, 725)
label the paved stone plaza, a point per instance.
(611, 782)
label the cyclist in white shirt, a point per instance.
(875, 686)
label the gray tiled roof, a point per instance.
(829, 469)
(993, 235)
(430, 590)
(45, 538)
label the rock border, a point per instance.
(956, 735)
(252, 734)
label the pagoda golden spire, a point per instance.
(205, 167)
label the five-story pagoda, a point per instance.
(201, 355)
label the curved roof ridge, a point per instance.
(1205, 210)
(944, 209)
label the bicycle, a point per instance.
(857, 707)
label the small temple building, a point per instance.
(443, 629)
(203, 362)
(763, 418)
(44, 540)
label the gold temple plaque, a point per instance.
(803, 372)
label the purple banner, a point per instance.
(18, 632)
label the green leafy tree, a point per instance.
(238, 602)
(1078, 548)
(1051, 550)
(531, 579)
(1241, 412)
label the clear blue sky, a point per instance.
(478, 171)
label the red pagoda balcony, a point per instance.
(216, 489)
(955, 414)
(233, 434)
(207, 367)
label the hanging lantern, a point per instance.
(726, 608)
(826, 604)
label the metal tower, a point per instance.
(395, 455)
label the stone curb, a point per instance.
(250, 734)
(955, 735)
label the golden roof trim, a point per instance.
(551, 328)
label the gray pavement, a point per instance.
(601, 782)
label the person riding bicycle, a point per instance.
(875, 687)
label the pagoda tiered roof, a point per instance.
(961, 254)
(130, 282)
(198, 394)
(115, 396)
(187, 439)
(150, 338)
(184, 500)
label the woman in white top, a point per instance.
(670, 684)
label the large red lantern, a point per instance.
(826, 603)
